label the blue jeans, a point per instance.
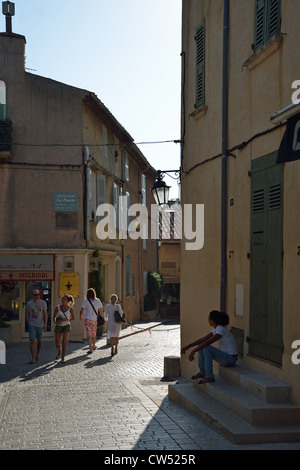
(210, 353)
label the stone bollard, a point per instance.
(171, 366)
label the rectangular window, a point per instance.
(144, 227)
(126, 167)
(104, 141)
(2, 100)
(200, 66)
(127, 209)
(127, 275)
(116, 203)
(101, 190)
(267, 21)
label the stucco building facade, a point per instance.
(233, 85)
(63, 154)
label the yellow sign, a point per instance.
(69, 284)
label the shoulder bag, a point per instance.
(100, 320)
(118, 317)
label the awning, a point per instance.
(289, 149)
(14, 267)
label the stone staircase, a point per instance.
(243, 405)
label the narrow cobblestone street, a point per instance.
(101, 402)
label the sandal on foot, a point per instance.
(197, 376)
(205, 380)
(58, 353)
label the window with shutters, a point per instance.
(267, 22)
(200, 66)
(127, 279)
(143, 186)
(101, 191)
(104, 141)
(126, 167)
(2, 100)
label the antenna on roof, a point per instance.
(8, 9)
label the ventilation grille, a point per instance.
(275, 197)
(258, 201)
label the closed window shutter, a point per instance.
(101, 190)
(127, 275)
(200, 66)
(274, 19)
(267, 21)
(259, 36)
(116, 191)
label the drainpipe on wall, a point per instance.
(224, 157)
(87, 194)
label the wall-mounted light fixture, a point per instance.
(160, 189)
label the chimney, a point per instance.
(12, 48)
(8, 9)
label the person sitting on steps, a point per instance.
(226, 355)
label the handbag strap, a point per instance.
(93, 308)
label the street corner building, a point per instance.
(62, 154)
(240, 158)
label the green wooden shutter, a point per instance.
(259, 29)
(267, 21)
(274, 19)
(266, 269)
(200, 66)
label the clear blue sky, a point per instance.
(125, 51)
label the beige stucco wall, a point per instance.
(254, 95)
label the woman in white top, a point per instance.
(226, 355)
(63, 315)
(90, 309)
(113, 328)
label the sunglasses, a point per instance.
(36, 295)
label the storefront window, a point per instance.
(9, 300)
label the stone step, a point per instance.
(247, 406)
(257, 383)
(227, 423)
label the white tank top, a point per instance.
(64, 315)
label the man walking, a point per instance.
(37, 317)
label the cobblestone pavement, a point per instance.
(101, 402)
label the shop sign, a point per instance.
(69, 284)
(66, 202)
(27, 268)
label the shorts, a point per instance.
(62, 329)
(35, 332)
(91, 328)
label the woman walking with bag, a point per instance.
(63, 315)
(90, 309)
(113, 328)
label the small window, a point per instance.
(104, 141)
(126, 167)
(127, 275)
(267, 22)
(101, 191)
(2, 100)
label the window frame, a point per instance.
(267, 22)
